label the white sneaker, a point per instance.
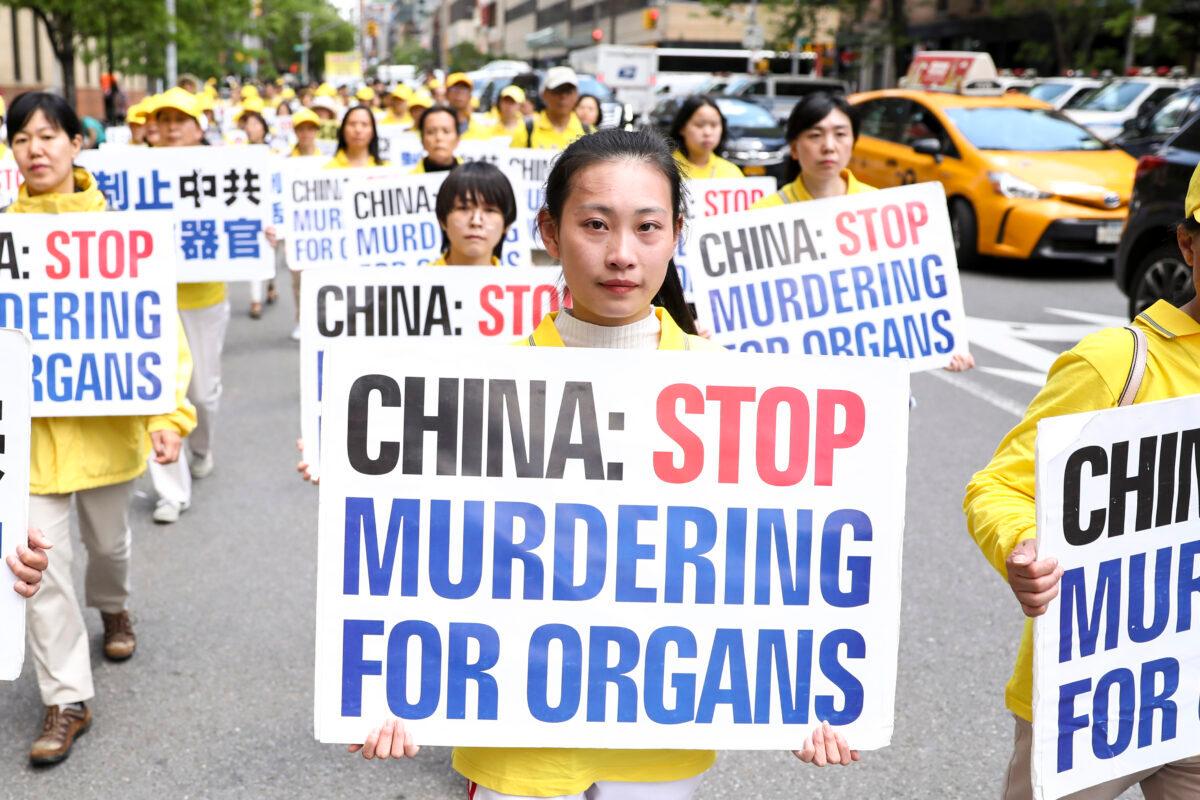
(296, 334)
(201, 466)
(168, 511)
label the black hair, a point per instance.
(437, 108)
(1190, 224)
(56, 110)
(477, 183)
(683, 116)
(261, 119)
(599, 107)
(809, 111)
(373, 145)
(614, 144)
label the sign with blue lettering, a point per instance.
(220, 198)
(469, 302)
(392, 222)
(399, 146)
(870, 274)
(314, 229)
(96, 294)
(15, 366)
(1116, 656)
(521, 547)
(713, 197)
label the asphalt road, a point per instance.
(217, 702)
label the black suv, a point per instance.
(1145, 133)
(1148, 266)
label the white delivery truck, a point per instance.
(627, 70)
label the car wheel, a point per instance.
(1161, 275)
(965, 233)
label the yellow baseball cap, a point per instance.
(459, 77)
(254, 104)
(434, 83)
(365, 94)
(179, 99)
(136, 115)
(421, 99)
(513, 93)
(305, 117)
(325, 90)
(1191, 204)
(249, 90)
(288, 93)
(402, 91)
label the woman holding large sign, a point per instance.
(613, 216)
(475, 208)
(91, 459)
(204, 309)
(698, 131)
(1155, 358)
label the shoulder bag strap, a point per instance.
(1137, 370)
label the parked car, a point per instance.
(777, 93)
(1021, 180)
(1105, 112)
(1145, 134)
(1065, 93)
(753, 138)
(1149, 266)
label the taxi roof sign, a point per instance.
(954, 71)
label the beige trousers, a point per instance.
(58, 637)
(1179, 780)
(205, 329)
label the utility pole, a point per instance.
(305, 33)
(1129, 40)
(172, 63)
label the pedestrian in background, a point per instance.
(475, 208)
(358, 141)
(93, 460)
(439, 137)
(558, 125)
(698, 132)
(587, 108)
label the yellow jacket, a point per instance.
(341, 161)
(797, 192)
(549, 772)
(1000, 503)
(441, 261)
(716, 167)
(545, 135)
(390, 118)
(70, 454)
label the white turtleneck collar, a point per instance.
(640, 335)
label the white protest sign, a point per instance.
(470, 302)
(314, 228)
(495, 522)
(118, 135)
(870, 274)
(220, 197)
(1117, 654)
(15, 367)
(10, 179)
(400, 146)
(391, 222)
(712, 198)
(96, 294)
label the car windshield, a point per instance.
(1021, 129)
(589, 85)
(1081, 97)
(740, 114)
(1048, 92)
(1115, 96)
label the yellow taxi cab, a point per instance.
(1021, 180)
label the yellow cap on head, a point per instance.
(402, 91)
(325, 90)
(1191, 204)
(288, 93)
(181, 100)
(459, 77)
(421, 99)
(366, 94)
(254, 104)
(249, 90)
(513, 93)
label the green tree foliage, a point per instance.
(279, 29)
(409, 51)
(465, 57)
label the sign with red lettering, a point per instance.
(96, 295)
(15, 391)
(1116, 667)
(869, 274)
(545, 547)
(364, 303)
(712, 198)
(10, 179)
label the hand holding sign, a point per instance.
(389, 740)
(1034, 582)
(826, 746)
(29, 563)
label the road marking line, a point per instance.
(985, 394)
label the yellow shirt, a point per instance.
(71, 454)
(716, 167)
(341, 161)
(419, 169)
(797, 192)
(1090, 376)
(550, 772)
(477, 129)
(441, 261)
(546, 136)
(390, 118)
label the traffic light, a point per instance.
(597, 35)
(650, 18)
(372, 28)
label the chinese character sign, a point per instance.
(15, 387)
(220, 197)
(96, 295)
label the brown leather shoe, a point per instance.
(59, 730)
(119, 641)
